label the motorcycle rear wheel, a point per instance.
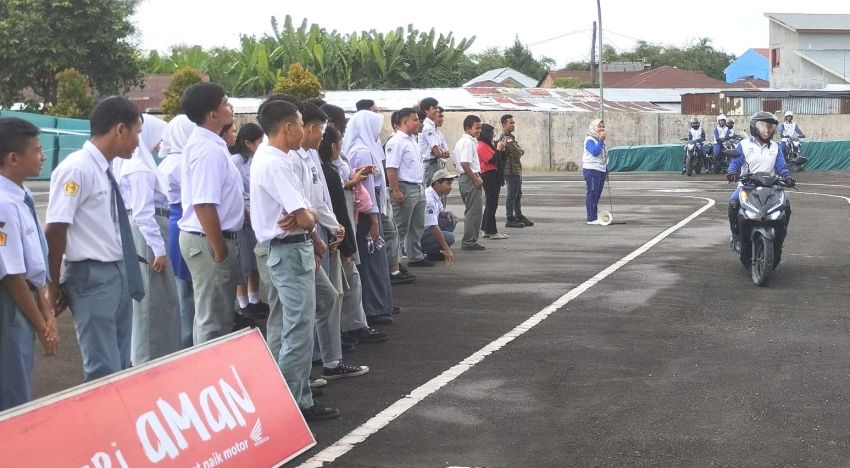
(762, 266)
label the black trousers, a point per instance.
(492, 186)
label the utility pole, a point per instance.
(593, 55)
(601, 62)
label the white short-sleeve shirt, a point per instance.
(429, 138)
(82, 196)
(20, 246)
(466, 151)
(403, 154)
(278, 188)
(208, 176)
(169, 173)
(433, 207)
(244, 167)
(320, 198)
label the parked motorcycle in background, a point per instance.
(728, 152)
(693, 161)
(793, 159)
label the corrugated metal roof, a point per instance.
(832, 60)
(811, 22)
(499, 75)
(533, 99)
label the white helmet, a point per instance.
(721, 117)
(789, 113)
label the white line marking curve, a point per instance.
(382, 419)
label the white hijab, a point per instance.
(362, 133)
(177, 134)
(142, 160)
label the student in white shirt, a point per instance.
(87, 224)
(177, 133)
(469, 168)
(213, 211)
(439, 223)
(430, 144)
(24, 310)
(279, 187)
(156, 318)
(405, 174)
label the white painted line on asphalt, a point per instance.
(820, 195)
(826, 185)
(382, 419)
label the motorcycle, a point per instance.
(793, 159)
(763, 223)
(728, 152)
(693, 161)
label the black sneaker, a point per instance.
(258, 311)
(402, 278)
(368, 335)
(513, 223)
(379, 320)
(475, 246)
(346, 337)
(319, 413)
(348, 347)
(342, 371)
(526, 221)
(421, 263)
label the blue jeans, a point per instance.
(429, 242)
(594, 180)
(513, 200)
(292, 269)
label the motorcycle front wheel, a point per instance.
(689, 163)
(762, 266)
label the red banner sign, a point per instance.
(220, 404)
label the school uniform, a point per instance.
(23, 251)
(101, 266)
(433, 210)
(208, 176)
(466, 151)
(279, 186)
(428, 139)
(156, 318)
(403, 154)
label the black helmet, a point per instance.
(695, 123)
(763, 126)
(730, 123)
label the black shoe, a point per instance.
(475, 246)
(396, 309)
(346, 337)
(241, 321)
(402, 278)
(368, 335)
(436, 257)
(319, 413)
(421, 263)
(379, 320)
(526, 221)
(259, 311)
(343, 370)
(347, 347)
(513, 223)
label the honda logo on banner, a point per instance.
(201, 408)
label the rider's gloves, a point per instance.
(731, 177)
(789, 181)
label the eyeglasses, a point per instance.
(375, 245)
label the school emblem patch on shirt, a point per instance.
(71, 188)
(2, 239)
(430, 211)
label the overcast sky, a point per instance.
(562, 32)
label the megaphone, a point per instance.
(605, 217)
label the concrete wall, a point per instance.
(795, 72)
(554, 141)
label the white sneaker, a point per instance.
(595, 221)
(499, 235)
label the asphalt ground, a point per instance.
(673, 357)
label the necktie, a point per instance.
(31, 204)
(131, 258)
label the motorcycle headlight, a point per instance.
(775, 215)
(744, 197)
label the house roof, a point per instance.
(472, 99)
(805, 22)
(833, 61)
(750, 82)
(584, 76)
(763, 51)
(148, 97)
(500, 75)
(669, 77)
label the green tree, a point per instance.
(41, 38)
(73, 95)
(172, 95)
(300, 83)
(520, 58)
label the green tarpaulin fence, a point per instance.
(822, 155)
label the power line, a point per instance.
(559, 37)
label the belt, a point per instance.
(293, 239)
(409, 183)
(156, 211)
(232, 235)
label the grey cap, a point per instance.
(442, 174)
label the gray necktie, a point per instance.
(31, 204)
(131, 258)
